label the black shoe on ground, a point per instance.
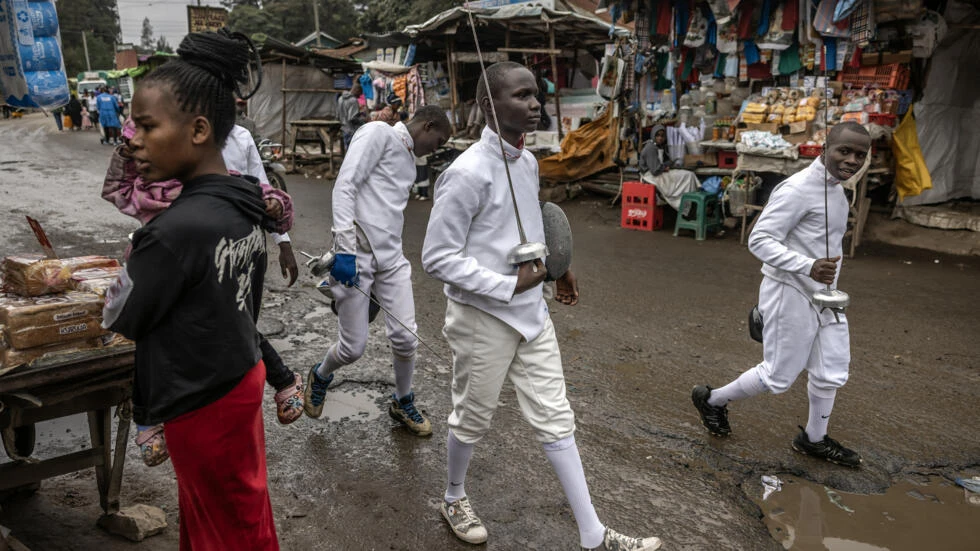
(828, 449)
(714, 418)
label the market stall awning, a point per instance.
(527, 23)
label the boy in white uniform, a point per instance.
(790, 240)
(369, 199)
(497, 322)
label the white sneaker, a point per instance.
(614, 541)
(464, 522)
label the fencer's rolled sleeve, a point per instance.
(767, 240)
(444, 256)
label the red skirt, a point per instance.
(218, 453)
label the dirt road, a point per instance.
(658, 314)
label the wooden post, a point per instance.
(507, 41)
(450, 68)
(554, 75)
(284, 102)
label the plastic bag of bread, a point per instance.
(33, 276)
(11, 358)
(37, 321)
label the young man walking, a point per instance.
(369, 199)
(497, 321)
(790, 240)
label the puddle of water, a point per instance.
(804, 516)
(358, 404)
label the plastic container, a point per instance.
(727, 159)
(710, 103)
(894, 76)
(639, 207)
(810, 150)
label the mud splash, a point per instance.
(931, 513)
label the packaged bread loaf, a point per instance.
(33, 276)
(37, 321)
(95, 280)
(11, 358)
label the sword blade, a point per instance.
(399, 322)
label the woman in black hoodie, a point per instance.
(190, 297)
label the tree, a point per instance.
(163, 46)
(249, 20)
(146, 35)
(383, 16)
(100, 21)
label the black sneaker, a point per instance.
(715, 419)
(828, 449)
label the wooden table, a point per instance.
(326, 130)
(88, 382)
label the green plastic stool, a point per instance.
(701, 225)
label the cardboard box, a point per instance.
(885, 58)
(770, 127)
(694, 161)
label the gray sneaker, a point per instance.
(614, 541)
(464, 522)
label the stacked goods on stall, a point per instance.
(53, 306)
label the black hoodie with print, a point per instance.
(193, 294)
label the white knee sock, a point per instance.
(747, 385)
(565, 459)
(459, 455)
(821, 405)
(404, 368)
(330, 362)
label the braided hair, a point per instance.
(205, 79)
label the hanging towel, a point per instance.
(791, 14)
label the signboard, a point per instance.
(549, 4)
(205, 18)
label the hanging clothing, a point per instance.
(791, 14)
(745, 9)
(764, 18)
(367, 86)
(789, 60)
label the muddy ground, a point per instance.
(658, 314)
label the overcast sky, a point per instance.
(168, 17)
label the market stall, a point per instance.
(746, 91)
(56, 360)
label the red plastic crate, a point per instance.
(810, 150)
(727, 159)
(895, 75)
(640, 208)
(884, 119)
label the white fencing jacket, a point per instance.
(242, 156)
(472, 227)
(789, 236)
(372, 190)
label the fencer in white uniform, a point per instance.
(369, 199)
(791, 241)
(497, 321)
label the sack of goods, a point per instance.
(40, 317)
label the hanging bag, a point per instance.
(697, 29)
(911, 173)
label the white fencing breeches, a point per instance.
(393, 289)
(796, 336)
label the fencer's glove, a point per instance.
(344, 269)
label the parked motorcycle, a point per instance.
(272, 154)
